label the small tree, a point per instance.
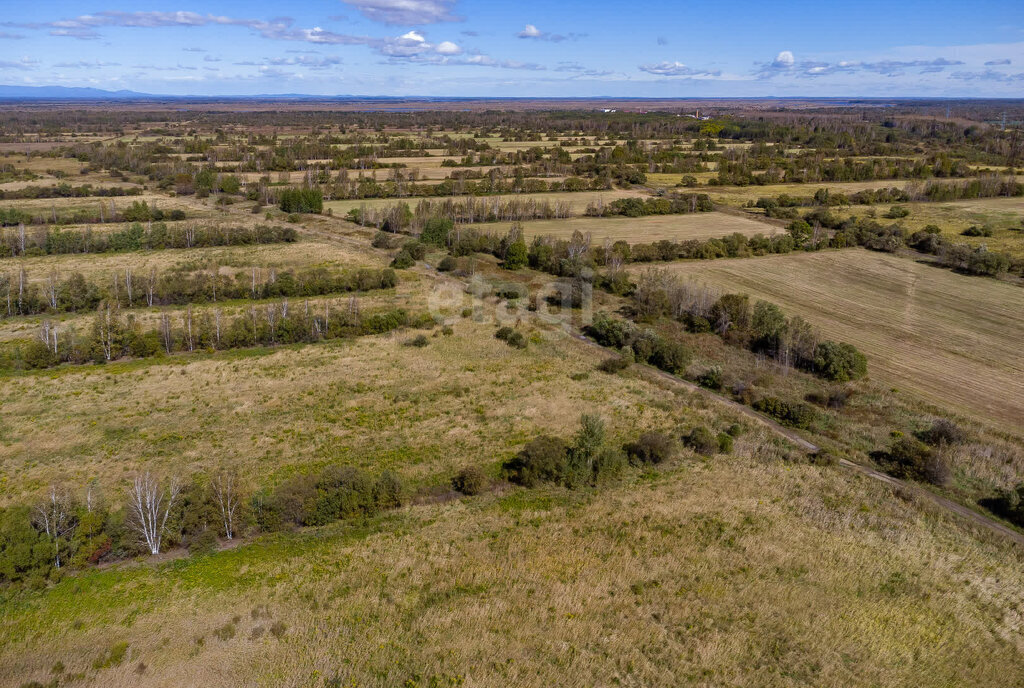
(586, 445)
(516, 255)
(436, 231)
(839, 362)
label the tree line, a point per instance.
(675, 204)
(113, 335)
(40, 241)
(69, 529)
(761, 327)
(21, 295)
(65, 190)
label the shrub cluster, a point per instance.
(965, 258)
(796, 415)
(336, 492)
(587, 460)
(646, 345)
(910, 459)
(763, 328)
(511, 336)
(652, 448)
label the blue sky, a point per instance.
(523, 48)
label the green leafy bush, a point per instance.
(614, 364)
(436, 231)
(403, 260)
(711, 378)
(203, 543)
(543, 459)
(447, 264)
(702, 441)
(725, 442)
(511, 336)
(796, 415)
(911, 459)
(839, 362)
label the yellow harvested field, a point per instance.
(642, 229)
(954, 340)
(418, 162)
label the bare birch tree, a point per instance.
(225, 489)
(5, 287)
(149, 507)
(151, 286)
(165, 331)
(54, 517)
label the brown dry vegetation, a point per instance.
(953, 339)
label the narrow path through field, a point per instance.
(944, 502)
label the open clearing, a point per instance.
(954, 339)
(1004, 215)
(464, 399)
(642, 229)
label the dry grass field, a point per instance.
(66, 207)
(766, 560)
(309, 252)
(740, 195)
(730, 572)
(642, 229)
(465, 398)
(953, 339)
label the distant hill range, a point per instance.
(66, 93)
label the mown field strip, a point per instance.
(951, 338)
